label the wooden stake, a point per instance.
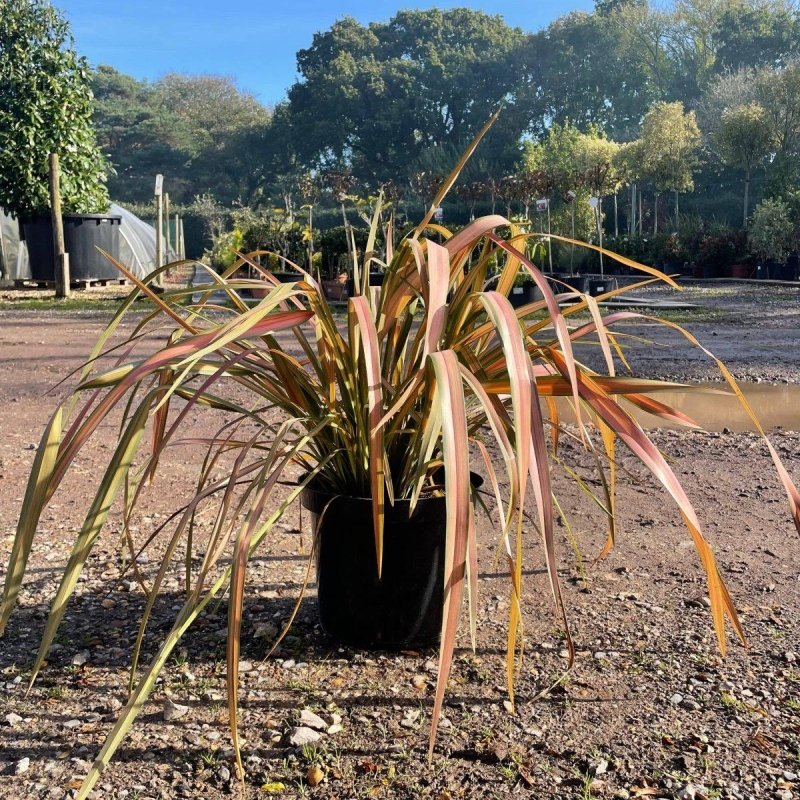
(60, 258)
(166, 217)
(3, 258)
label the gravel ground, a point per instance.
(651, 709)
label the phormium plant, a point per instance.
(384, 405)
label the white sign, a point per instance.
(159, 185)
(569, 196)
(541, 205)
(594, 202)
(438, 215)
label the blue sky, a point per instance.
(254, 42)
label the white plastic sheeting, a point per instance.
(137, 245)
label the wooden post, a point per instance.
(3, 258)
(60, 258)
(183, 241)
(177, 243)
(159, 222)
(166, 217)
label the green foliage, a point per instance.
(776, 90)
(669, 145)
(201, 132)
(745, 136)
(45, 107)
(223, 252)
(397, 100)
(771, 230)
(744, 139)
(379, 95)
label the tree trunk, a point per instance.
(655, 215)
(677, 218)
(746, 196)
(639, 194)
(572, 251)
(347, 236)
(598, 212)
(616, 216)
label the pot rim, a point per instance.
(476, 481)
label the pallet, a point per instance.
(82, 283)
(86, 283)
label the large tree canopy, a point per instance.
(375, 97)
(201, 131)
(397, 101)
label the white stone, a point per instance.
(302, 735)
(173, 711)
(310, 720)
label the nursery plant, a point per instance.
(426, 377)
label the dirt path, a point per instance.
(650, 709)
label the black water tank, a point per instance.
(83, 233)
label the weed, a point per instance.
(732, 703)
(210, 758)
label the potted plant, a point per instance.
(770, 236)
(46, 107)
(380, 416)
(523, 291)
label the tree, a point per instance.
(771, 230)
(45, 107)
(778, 91)
(578, 71)
(670, 143)
(757, 34)
(201, 132)
(374, 97)
(744, 139)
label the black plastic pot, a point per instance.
(404, 608)
(598, 286)
(713, 270)
(287, 277)
(83, 234)
(578, 283)
(524, 294)
(375, 279)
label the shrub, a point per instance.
(771, 230)
(45, 107)
(423, 369)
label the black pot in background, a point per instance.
(404, 608)
(83, 234)
(524, 294)
(713, 270)
(598, 286)
(578, 283)
(793, 267)
(375, 279)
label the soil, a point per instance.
(650, 709)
